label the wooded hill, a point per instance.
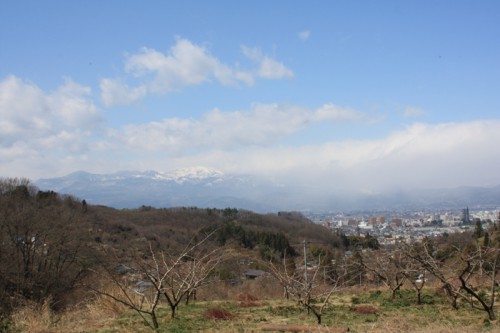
(51, 241)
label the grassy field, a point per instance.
(361, 311)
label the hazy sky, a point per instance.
(362, 94)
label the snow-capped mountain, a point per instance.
(179, 176)
(196, 186)
(204, 187)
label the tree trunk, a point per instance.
(491, 314)
(318, 317)
(452, 295)
(317, 314)
(154, 320)
(172, 311)
(472, 293)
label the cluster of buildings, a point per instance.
(390, 227)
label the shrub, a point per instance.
(218, 314)
(365, 309)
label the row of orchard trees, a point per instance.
(463, 265)
(466, 268)
(467, 272)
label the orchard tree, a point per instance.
(168, 276)
(388, 267)
(312, 290)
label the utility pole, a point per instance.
(305, 262)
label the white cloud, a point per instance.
(35, 125)
(262, 125)
(116, 92)
(54, 133)
(185, 64)
(70, 104)
(304, 35)
(22, 110)
(333, 112)
(269, 68)
(413, 111)
(421, 156)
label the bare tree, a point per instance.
(165, 276)
(141, 297)
(416, 274)
(181, 275)
(445, 272)
(482, 263)
(310, 290)
(389, 267)
(469, 273)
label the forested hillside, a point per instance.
(50, 242)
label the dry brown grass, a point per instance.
(248, 301)
(96, 313)
(264, 288)
(412, 322)
(403, 325)
(35, 318)
(101, 314)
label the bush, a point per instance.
(218, 314)
(365, 309)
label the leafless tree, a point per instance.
(469, 273)
(181, 275)
(424, 254)
(483, 264)
(416, 274)
(389, 268)
(165, 276)
(310, 289)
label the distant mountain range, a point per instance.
(203, 187)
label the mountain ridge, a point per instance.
(210, 188)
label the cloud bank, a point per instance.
(262, 125)
(62, 131)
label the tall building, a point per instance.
(396, 222)
(465, 216)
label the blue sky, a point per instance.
(366, 95)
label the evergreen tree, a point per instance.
(478, 231)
